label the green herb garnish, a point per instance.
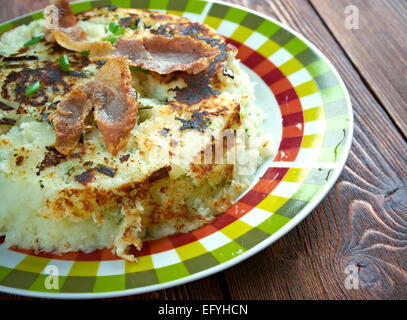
(33, 41)
(116, 29)
(85, 53)
(64, 62)
(110, 39)
(32, 89)
(137, 68)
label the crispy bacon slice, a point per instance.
(115, 106)
(154, 52)
(69, 120)
(165, 55)
(65, 23)
(111, 94)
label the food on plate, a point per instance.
(120, 125)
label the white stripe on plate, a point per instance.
(280, 57)
(165, 258)
(255, 41)
(299, 77)
(314, 127)
(312, 101)
(227, 28)
(255, 216)
(214, 241)
(64, 266)
(9, 258)
(111, 268)
(286, 189)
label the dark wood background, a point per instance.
(363, 220)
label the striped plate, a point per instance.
(309, 113)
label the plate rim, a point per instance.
(304, 212)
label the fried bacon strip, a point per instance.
(65, 23)
(165, 55)
(115, 109)
(115, 106)
(153, 52)
(69, 120)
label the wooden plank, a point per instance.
(378, 48)
(13, 9)
(205, 289)
(363, 220)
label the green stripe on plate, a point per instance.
(306, 192)
(19, 279)
(273, 224)
(252, 238)
(39, 284)
(295, 46)
(177, 5)
(4, 272)
(158, 4)
(228, 251)
(235, 15)
(142, 4)
(268, 28)
(291, 208)
(121, 3)
(252, 21)
(200, 263)
(81, 6)
(5, 27)
(172, 272)
(78, 284)
(141, 279)
(101, 3)
(110, 283)
(338, 123)
(194, 6)
(218, 10)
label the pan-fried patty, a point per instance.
(196, 142)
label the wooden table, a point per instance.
(363, 220)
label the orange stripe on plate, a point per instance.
(266, 186)
(204, 231)
(160, 245)
(239, 209)
(292, 106)
(281, 86)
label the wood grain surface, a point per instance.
(378, 49)
(363, 220)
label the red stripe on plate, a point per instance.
(223, 220)
(293, 119)
(290, 143)
(253, 198)
(286, 96)
(181, 239)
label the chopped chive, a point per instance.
(116, 29)
(33, 41)
(32, 89)
(137, 68)
(64, 62)
(110, 39)
(85, 53)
